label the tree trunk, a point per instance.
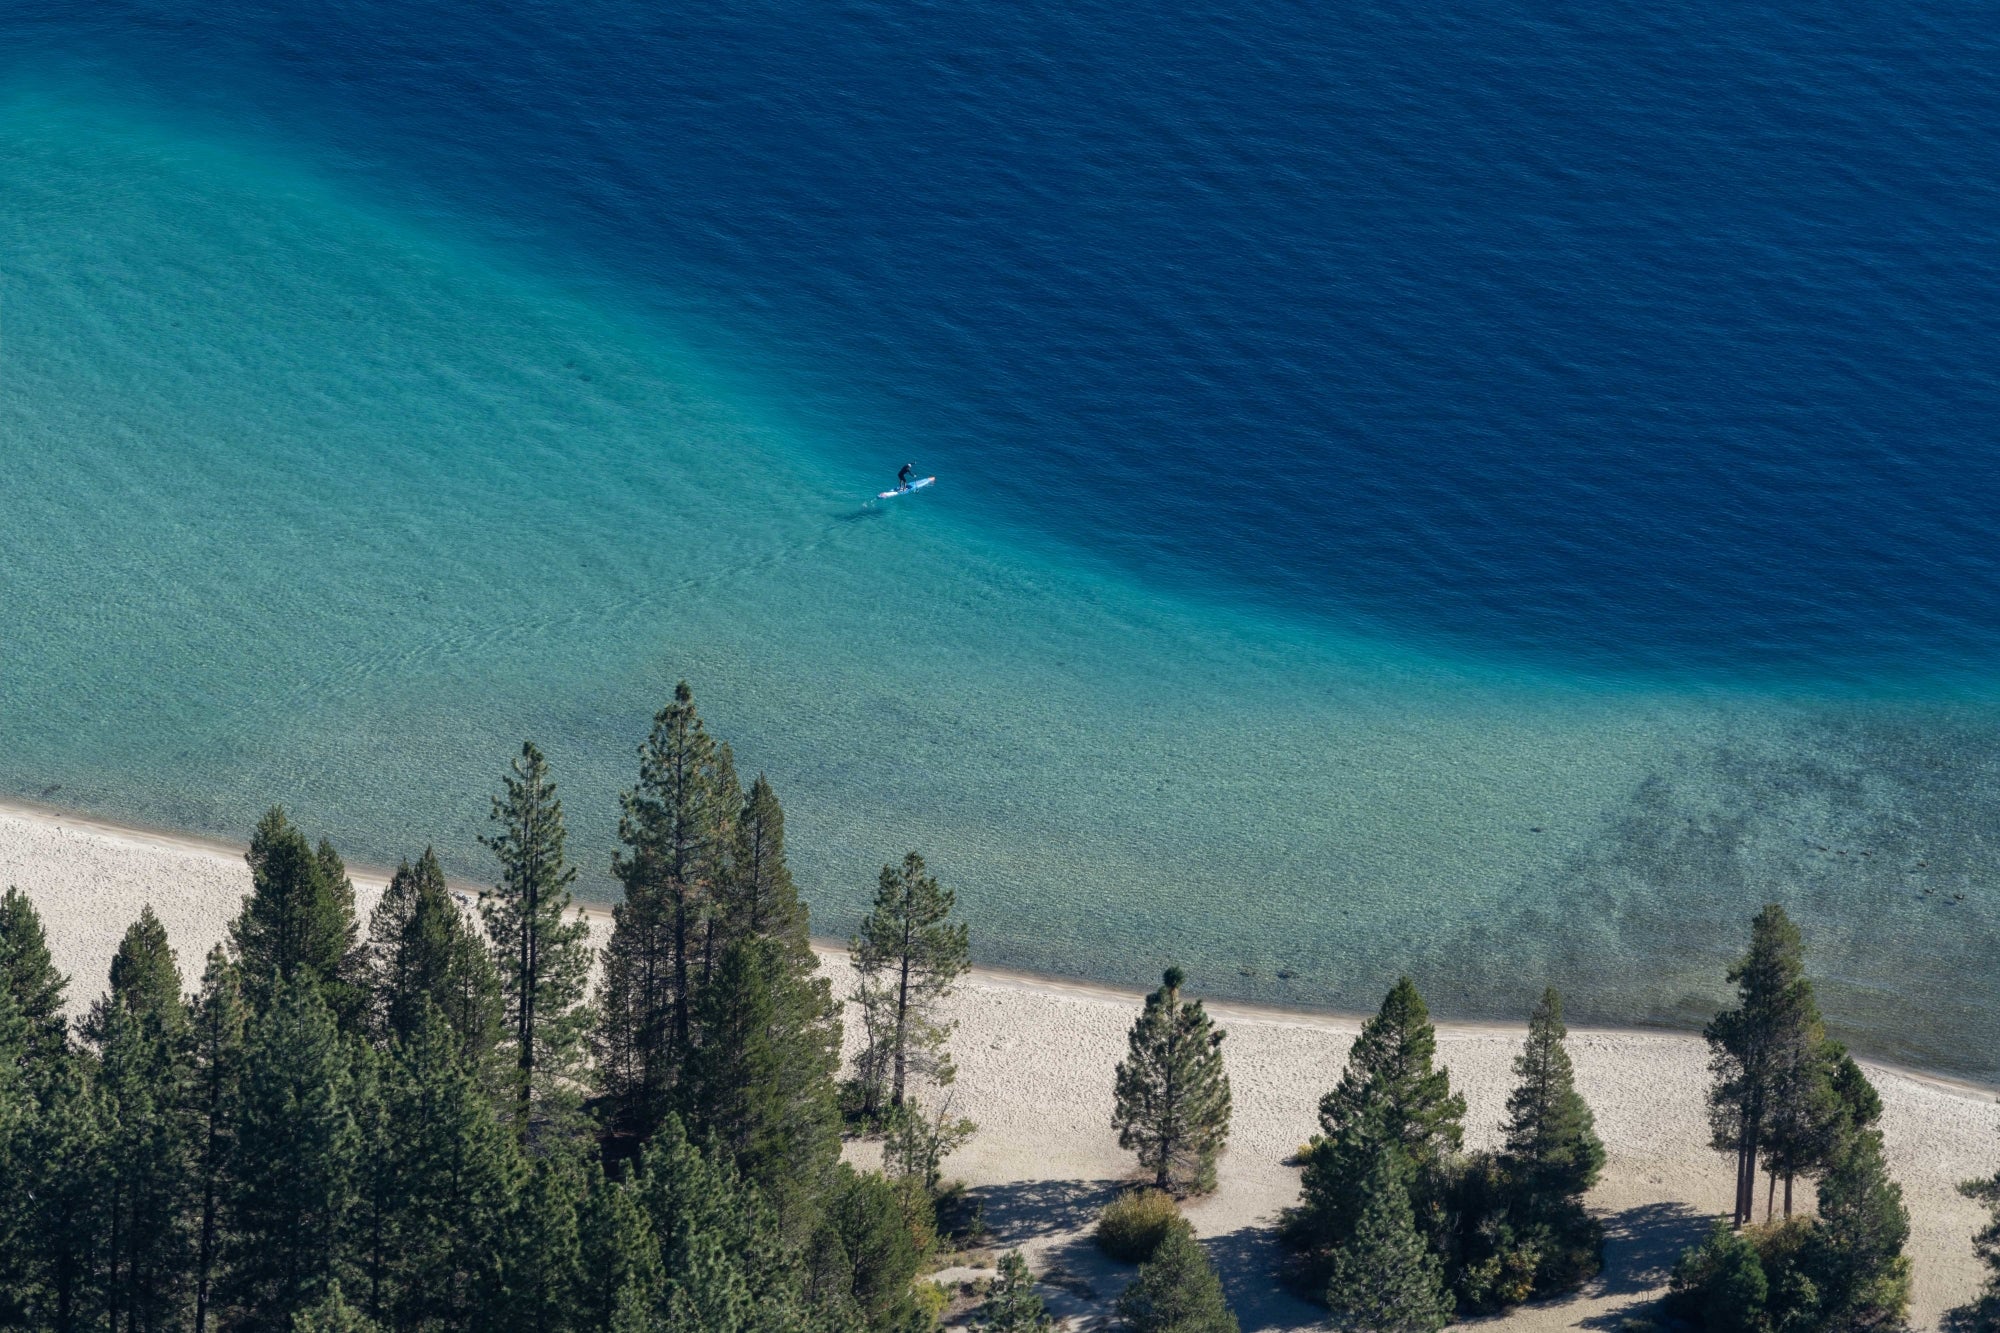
(1788, 1195)
(902, 1012)
(1770, 1195)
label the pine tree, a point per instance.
(425, 953)
(145, 981)
(1552, 1146)
(16, 1109)
(1754, 1046)
(1390, 1067)
(1172, 1091)
(908, 958)
(1176, 1291)
(1389, 1087)
(68, 1221)
(761, 1083)
(296, 1162)
(620, 1259)
(540, 1258)
(332, 1314)
(865, 1255)
(1858, 1266)
(298, 922)
(676, 827)
(541, 954)
(1384, 1277)
(1552, 1154)
(30, 975)
(141, 1030)
(446, 1172)
(761, 898)
(716, 1234)
(218, 1048)
(1011, 1304)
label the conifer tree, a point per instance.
(1176, 1291)
(1860, 1271)
(296, 1163)
(145, 981)
(17, 1110)
(908, 957)
(1552, 1146)
(140, 1028)
(332, 1314)
(1390, 1087)
(540, 1260)
(675, 827)
(761, 1083)
(1384, 1277)
(218, 1048)
(446, 1171)
(1390, 1067)
(67, 1223)
(865, 1255)
(298, 922)
(30, 975)
(541, 954)
(1172, 1092)
(761, 898)
(425, 953)
(1754, 1047)
(620, 1259)
(1011, 1304)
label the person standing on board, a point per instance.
(903, 477)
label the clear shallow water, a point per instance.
(383, 399)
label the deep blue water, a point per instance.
(1498, 492)
(1630, 336)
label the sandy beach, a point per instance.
(1035, 1057)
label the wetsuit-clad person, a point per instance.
(903, 477)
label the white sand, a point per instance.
(1035, 1059)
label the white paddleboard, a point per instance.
(914, 486)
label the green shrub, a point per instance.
(1132, 1225)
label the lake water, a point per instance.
(1497, 492)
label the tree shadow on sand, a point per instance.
(1024, 1210)
(1248, 1260)
(1641, 1244)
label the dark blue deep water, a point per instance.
(1494, 491)
(1636, 336)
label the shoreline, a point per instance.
(1036, 1056)
(146, 837)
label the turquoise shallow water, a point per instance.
(313, 500)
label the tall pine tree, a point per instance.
(761, 1083)
(540, 952)
(1390, 1087)
(676, 830)
(426, 954)
(298, 922)
(140, 1028)
(445, 1172)
(30, 975)
(218, 1037)
(297, 1162)
(908, 957)
(1172, 1093)
(1384, 1277)
(1550, 1157)
(1757, 1047)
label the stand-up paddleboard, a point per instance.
(913, 486)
